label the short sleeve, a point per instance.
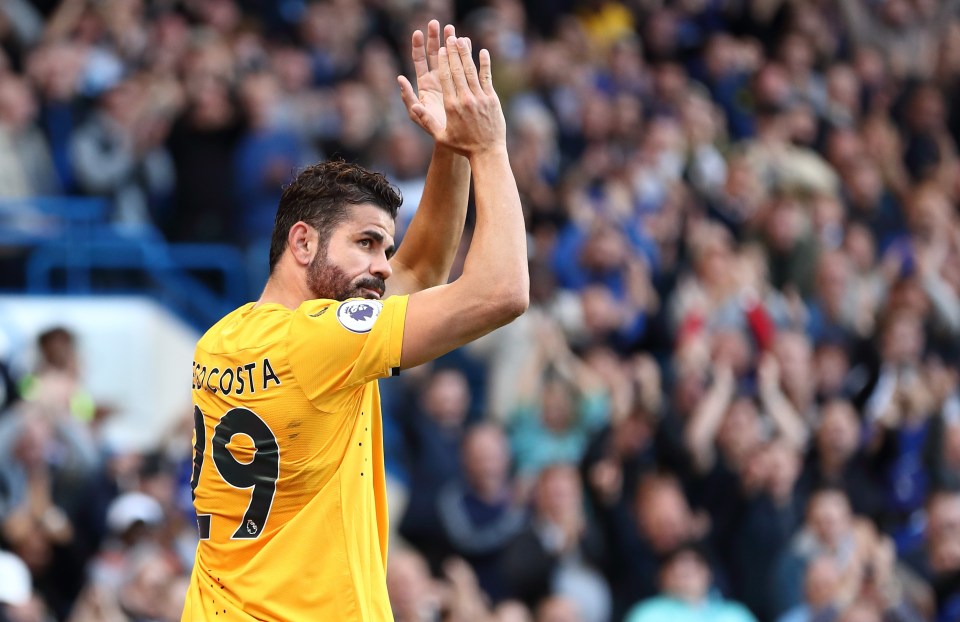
(333, 346)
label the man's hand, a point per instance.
(474, 119)
(426, 62)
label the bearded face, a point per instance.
(352, 259)
(327, 280)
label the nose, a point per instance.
(381, 267)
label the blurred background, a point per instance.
(735, 394)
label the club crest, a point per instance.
(359, 316)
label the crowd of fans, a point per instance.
(736, 394)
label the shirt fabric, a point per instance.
(667, 609)
(288, 473)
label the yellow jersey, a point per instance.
(288, 476)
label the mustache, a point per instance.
(375, 283)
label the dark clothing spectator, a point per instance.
(202, 210)
(480, 531)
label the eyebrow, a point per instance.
(376, 235)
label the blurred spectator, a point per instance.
(931, 558)
(835, 308)
(908, 31)
(771, 510)
(558, 609)
(436, 434)
(744, 258)
(838, 460)
(512, 611)
(480, 515)
(407, 157)
(414, 596)
(27, 169)
(560, 405)
(266, 156)
(56, 385)
(626, 448)
(54, 69)
(10, 392)
(820, 589)
(119, 152)
(47, 478)
(202, 141)
(561, 550)
(18, 602)
(900, 351)
(829, 530)
(685, 593)
(658, 520)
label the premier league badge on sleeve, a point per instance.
(359, 316)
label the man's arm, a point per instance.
(430, 243)
(494, 287)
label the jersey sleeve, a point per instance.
(334, 346)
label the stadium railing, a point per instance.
(69, 246)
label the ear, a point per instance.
(303, 243)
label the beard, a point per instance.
(327, 281)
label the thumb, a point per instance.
(426, 120)
(407, 94)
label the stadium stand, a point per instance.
(736, 394)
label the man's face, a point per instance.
(829, 518)
(355, 263)
(687, 577)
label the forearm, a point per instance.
(430, 243)
(497, 262)
(785, 417)
(701, 431)
(946, 304)
(494, 288)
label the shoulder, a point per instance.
(213, 333)
(316, 308)
(731, 611)
(651, 609)
(356, 315)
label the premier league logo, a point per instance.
(359, 316)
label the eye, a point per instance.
(366, 242)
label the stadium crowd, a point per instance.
(736, 394)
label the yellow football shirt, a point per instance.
(288, 475)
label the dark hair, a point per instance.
(319, 196)
(52, 335)
(695, 546)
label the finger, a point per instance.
(433, 43)
(456, 66)
(448, 31)
(424, 119)
(407, 94)
(486, 73)
(419, 54)
(446, 79)
(469, 69)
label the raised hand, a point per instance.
(425, 53)
(474, 119)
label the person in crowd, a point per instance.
(436, 434)
(480, 515)
(742, 234)
(561, 550)
(685, 592)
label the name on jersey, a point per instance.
(249, 378)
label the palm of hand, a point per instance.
(429, 92)
(431, 96)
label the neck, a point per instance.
(282, 288)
